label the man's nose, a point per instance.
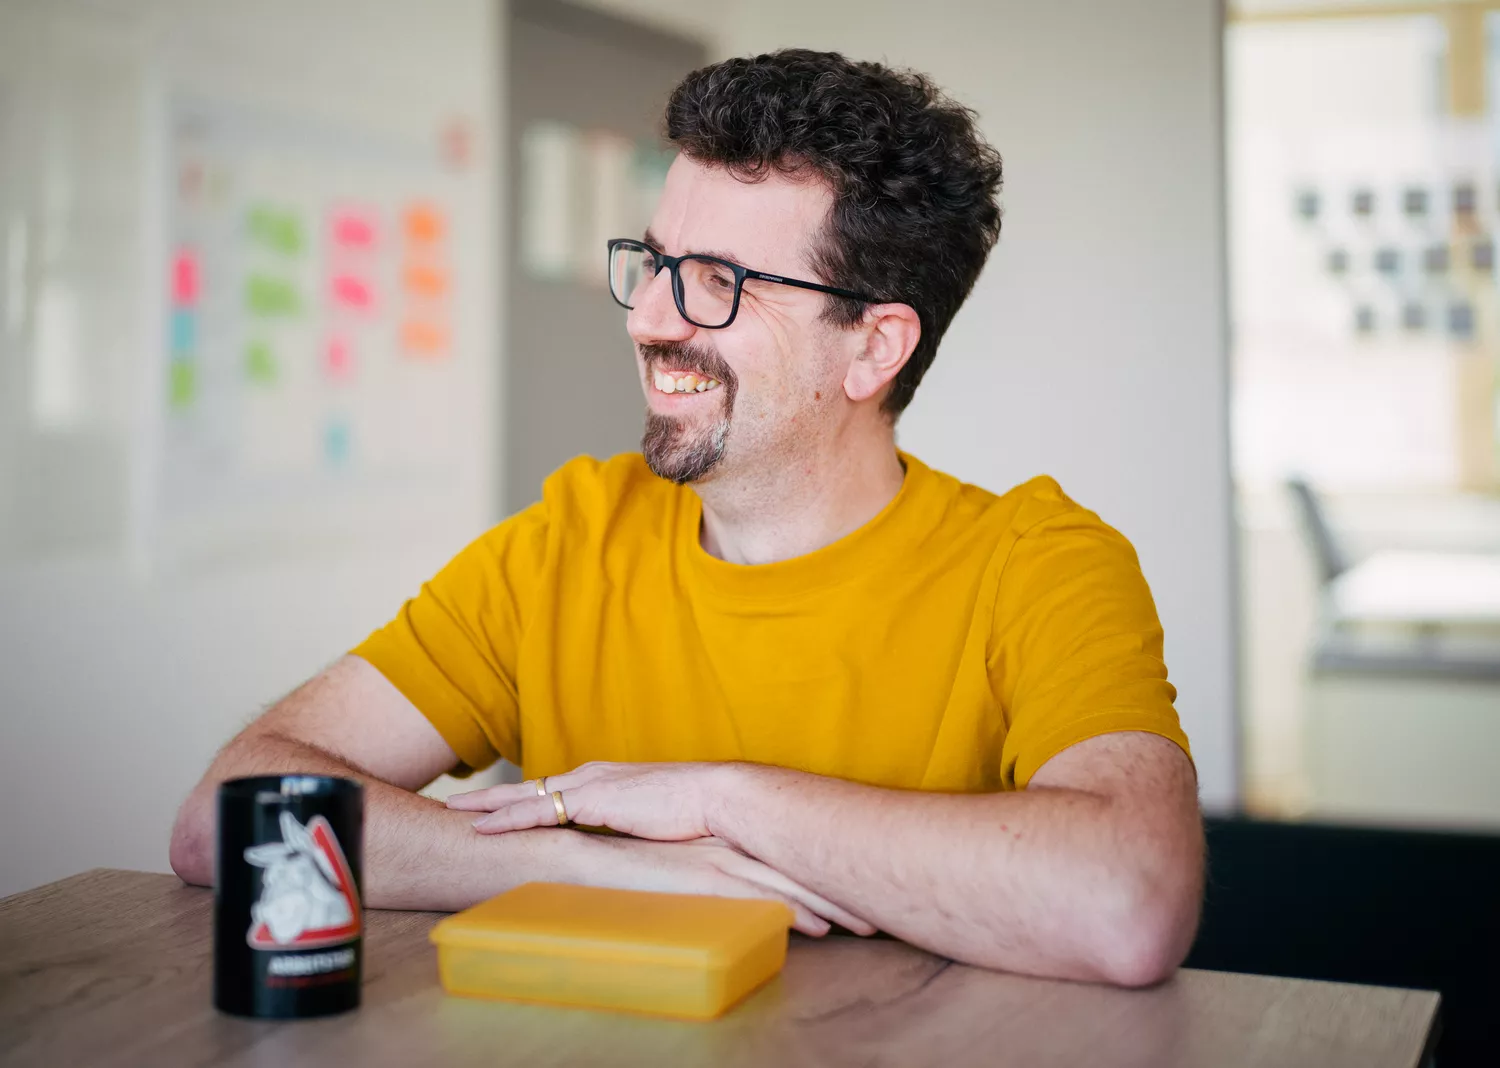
(655, 318)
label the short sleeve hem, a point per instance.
(1093, 726)
(460, 725)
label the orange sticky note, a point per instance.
(422, 338)
(424, 281)
(424, 224)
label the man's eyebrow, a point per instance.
(718, 254)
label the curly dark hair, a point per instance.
(915, 186)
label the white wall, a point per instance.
(117, 683)
(1093, 348)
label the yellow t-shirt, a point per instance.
(955, 642)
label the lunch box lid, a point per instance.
(600, 923)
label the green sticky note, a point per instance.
(278, 230)
(270, 296)
(260, 363)
(182, 383)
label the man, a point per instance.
(781, 657)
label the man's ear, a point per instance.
(891, 332)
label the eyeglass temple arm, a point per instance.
(815, 286)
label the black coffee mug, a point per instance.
(288, 928)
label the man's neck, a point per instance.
(800, 507)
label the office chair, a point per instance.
(1329, 557)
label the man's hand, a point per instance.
(706, 866)
(663, 802)
(670, 804)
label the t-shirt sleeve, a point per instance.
(453, 649)
(1078, 645)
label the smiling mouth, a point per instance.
(682, 382)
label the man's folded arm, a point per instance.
(1093, 872)
(350, 721)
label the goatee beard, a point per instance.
(680, 455)
(673, 449)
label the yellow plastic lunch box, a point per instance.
(678, 955)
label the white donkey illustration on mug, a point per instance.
(300, 891)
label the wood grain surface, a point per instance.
(114, 967)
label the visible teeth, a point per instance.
(686, 383)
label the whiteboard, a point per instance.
(308, 345)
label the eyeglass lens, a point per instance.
(706, 293)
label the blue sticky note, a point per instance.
(184, 331)
(337, 442)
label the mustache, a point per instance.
(699, 359)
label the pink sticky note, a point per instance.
(352, 292)
(338, 358)
(185, 277)
(353, 230)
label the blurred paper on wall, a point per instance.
(549, 179)
(613, 207)
(579, 188)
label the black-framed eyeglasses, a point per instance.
(706, 288)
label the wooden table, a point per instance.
(113, 967)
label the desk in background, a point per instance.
(113, 967)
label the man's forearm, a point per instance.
(1047, 881)
(417, 853)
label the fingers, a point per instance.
(803, 918)
(520, 815)
(754, 871)
(510, 793)
(493, 797)
(824, 908)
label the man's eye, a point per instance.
(720, 280)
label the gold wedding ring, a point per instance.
(562, 813)
(541, 786)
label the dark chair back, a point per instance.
(1361, 905)
(1329, 557)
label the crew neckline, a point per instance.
(891, 529)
